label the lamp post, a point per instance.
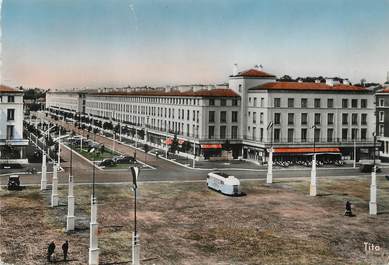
(373, 184)
(70, 218)
(355, 155)
(313, 189)
(54, 187)
(194, 147)
(269, 176)
(93, 241)
(135, 236)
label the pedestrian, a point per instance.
(348, 211)
(135, 155)
(65, 248)
(50, 251)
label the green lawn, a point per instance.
(97, 156)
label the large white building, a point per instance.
(343, 114)
(12, 144)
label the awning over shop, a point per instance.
(169, 141)
(211, 146)
(306, 150)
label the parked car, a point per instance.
(14, 182)
(124, 159)
(107, 163)
(368, 168)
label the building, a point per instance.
(328, 113)
(12, 144)
(382, 120)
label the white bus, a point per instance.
(223, 183)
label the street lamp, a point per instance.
(70, 218)
(135, 237)
(93, 242)
(313, 189)
(373, 184)
(269, 176)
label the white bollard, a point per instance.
(93, 243)
(70, 218)
(373, 193)
(269, 176)
(44, 173)
(54, 188)
(312, 188)
(135, 249)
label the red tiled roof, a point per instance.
(307, 150)
(6, 89)
(386, 90)
(308, 86)
(218, 92)
(254, 73)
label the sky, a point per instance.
(114, 43)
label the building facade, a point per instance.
(12, 144)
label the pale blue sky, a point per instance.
(78, 43)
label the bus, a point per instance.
(223, 183)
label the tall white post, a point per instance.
(93, 243)
(54, 189)
(312, 190)
(135, 249)
(81, 143)
(269, 176)
(44, 173)
(373, 193)
(113, 144)
(70, 218)
(59, 149)
(194, 153)
(355, 155)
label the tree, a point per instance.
(174, 145)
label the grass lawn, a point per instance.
(185, 223)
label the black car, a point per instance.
(125, 160)
(14, 183)
(107, 163)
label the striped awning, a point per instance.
(211, 146)
(306, 150)
(169, 141)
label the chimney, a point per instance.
(235, 69)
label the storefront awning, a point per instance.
(169, 141)
(306, 150)
(211, 146)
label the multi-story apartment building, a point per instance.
(12, 144)
(382, 120)
(331, 114)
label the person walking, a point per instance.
(65, 248)
(50, 250)
(348, 211)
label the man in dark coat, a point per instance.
(65, 248)
(50, 250)
(348, 211)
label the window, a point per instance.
(381, 102)
(363, 118)
(330, 135)
(354, 119)
(290, 102)
(11, 99)
(240, 87)
(381, 130)
(304, 102)
(211, 116)
(261, 134)
(223, 102)
(317, 118)
(277, 102)
(262, 102)
(254, 133)
(290, 135)
(363, 133)
(211, 102)
(277, 135)
(304, 134)
(211, 132)
(223, 130)
(354, 103)
(290, 118)
(363, 103)
(317, 103)
(261, 118)
(277, 118)
(317, 134)
(255, 102)
(234, 116)
(234, 132)
(10, 114)
(223, 116)
(304, 118)
(234, 102)
(330, 103)
(249, 101)
(344, 118)
(345, 103)
(10, 132)
(354, 134)
(344, 133)
(330, 118)
(254, 117)
(381, 116)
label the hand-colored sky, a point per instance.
(85, 43)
